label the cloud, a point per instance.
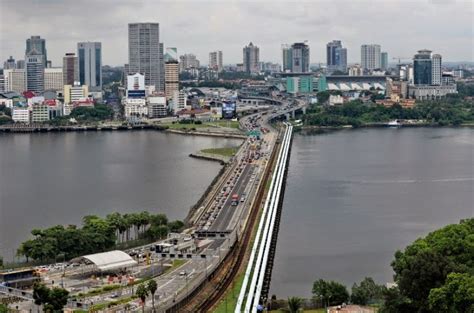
(200, 26)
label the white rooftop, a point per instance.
(111, 260)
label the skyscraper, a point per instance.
(384, 61)
(422, 68)
(90, 64)
(37, 44)
(34, 71)
(53, 78)
(300, 57)
(215, 61)
(171, 54)
(70, 69)
(336, 56)
(9, 64)
(436, 73)
(171, 78)
(370, 57)
(287, 58)
(251, 58)
(144, 53)
(188, 61)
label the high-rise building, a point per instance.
(34, 71)
(287, 58)
(188, 61)
(384, 61)
(171, 54)
(144, 53)
(336, 56)
(70, 69)
(215, 61)
(436, 72)
(251, 58)
(161, 86)
(9, 63)
(20, 64)
(15, 80)
(422, 68)
(370, 57)
(53, 78)
(171, 78)
(300, 57)
(90, 64)
(37, 44)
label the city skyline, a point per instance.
(182, 26)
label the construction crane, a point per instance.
(400, 59)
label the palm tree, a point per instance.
(142, 293)
(294, 304)
(152, 287)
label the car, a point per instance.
(182, 273)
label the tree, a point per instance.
(3, 308)
(175, 226)
(426, 264)
(456, 295)
(330, 292)
(294, 304)
(322, 96)
(142, 293)
(368, 291)
(40, 294)
(152, 286)
(395, 302)
(58, 299)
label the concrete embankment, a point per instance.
(207, 133)
(210, 157)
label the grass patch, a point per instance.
(224, 123)
(188, 126)
(232, 295)
(176, 263)
(227, 152)
(105, 305)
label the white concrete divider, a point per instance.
(243, 290)
(262, 244)
(276, 201)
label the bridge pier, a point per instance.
(293, 114)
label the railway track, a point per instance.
(208, 295)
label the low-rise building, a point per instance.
(21, 115)
(157, 106)
(429, 92)
(135, 107)
(336, 100)
(299, 84)
(39, 113)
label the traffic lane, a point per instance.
(228, 210)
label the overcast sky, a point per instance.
(200, 26)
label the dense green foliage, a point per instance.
(437, 271)
(213, 84)
(294, 304)
(142, 293)
(5, 115)
(96, 235)
(53, 300)
(465, 90)
(450, 111)
(330, 292)
(99, 112)
(3, 308)
(366, 292)
(152, 286)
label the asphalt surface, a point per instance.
(228, 210)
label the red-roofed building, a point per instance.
(28, 94)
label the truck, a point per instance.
(235, 199)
